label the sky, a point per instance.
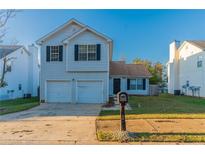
(144, 34)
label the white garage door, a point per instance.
(89, 92)
(58, 92)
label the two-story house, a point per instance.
(186, 71)
(76, 63)
(22, 69)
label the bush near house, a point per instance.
(16, 105)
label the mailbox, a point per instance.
(122, 98)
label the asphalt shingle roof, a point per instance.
(7, 49)
(129, 70)
(200, 44)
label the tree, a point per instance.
(5, 15)
(154, 68)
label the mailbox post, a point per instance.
(122, 98)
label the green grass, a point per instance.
(163, 106)
(16, 105)
(150, 137)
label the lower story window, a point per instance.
(132, 84)
(140, 84)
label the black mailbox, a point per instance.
(122, 98)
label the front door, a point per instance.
(116, 86)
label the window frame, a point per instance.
(199, 63)
(58, 53)
(88, 52)
(140, 86)
(135, 86)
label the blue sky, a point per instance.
(136, 33)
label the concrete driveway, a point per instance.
(51, 124)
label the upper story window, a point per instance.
(90, 52)
(8, 67)
(199, 61)
(54, 53)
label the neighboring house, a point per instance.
(186, 71)
(75, 66)
(23, 75)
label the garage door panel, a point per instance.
(90, 92)
(58, 92)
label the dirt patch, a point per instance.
(48, 125)
(132, 125)
(22, 131)
(172, 121)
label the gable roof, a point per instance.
(7, 49)
(198, 43)
(120, 68)
(89, 29)
(39, 41)
(84, 27)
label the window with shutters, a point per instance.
(87, 52)
(54, 53)
(140, 84)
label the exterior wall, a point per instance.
(124, 87)
(184, 68)
(173, 68)
(33, 70)
(189, 71)
(24, 71)
(18, 75)
(68, 69)
(87, 38)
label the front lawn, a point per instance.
(16, 105)
(163, 106)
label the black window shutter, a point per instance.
(128, 84)
(76, 52)
(144, 84)
(60, 53)
(98, 51)
(47, 53)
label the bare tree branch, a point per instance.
(5, 15)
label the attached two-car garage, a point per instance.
(81, 91)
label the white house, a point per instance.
(22, 77)
(75, 66)
(186, 71)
